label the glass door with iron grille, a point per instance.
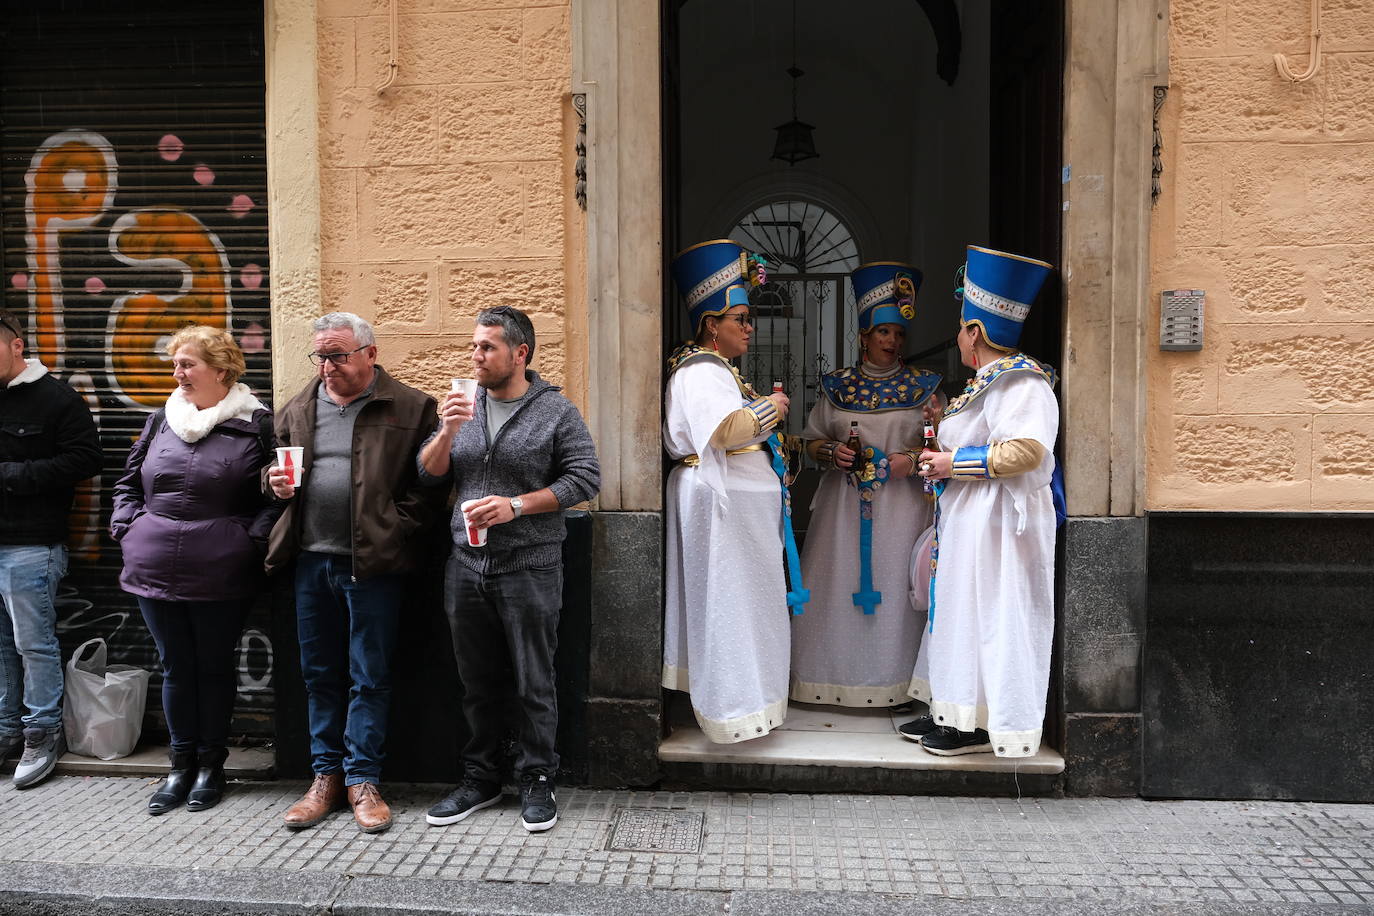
(804, 322)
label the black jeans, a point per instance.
(197, 642)
(505, 633)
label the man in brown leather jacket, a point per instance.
(351, 529)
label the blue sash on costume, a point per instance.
(798, 596)
(853, 391)
(934, 552)
(876, 472)
(1061, 506)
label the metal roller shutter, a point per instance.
(133, 194)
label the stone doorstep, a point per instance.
(833, 736)
(151, 760)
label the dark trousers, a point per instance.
(347, 632)
(505, 633)
(197, 642)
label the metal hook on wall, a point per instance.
(392, 65)
(1314, 52)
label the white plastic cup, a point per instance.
(477, 537)
(465, 386)
(290, 458)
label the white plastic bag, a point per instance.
(103, 713)
(920, 571)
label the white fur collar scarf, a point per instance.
(192, 425)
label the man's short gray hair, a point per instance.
(362, 331)
(516, 327)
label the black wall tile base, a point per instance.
(625, 703)
(626, 565)
(755, 777)
(1102, 617)
(1259, 657)
(1102, 755)
(625, 734)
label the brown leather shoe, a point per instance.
(325, 795)
(369, 810)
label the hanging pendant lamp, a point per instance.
(794, 142)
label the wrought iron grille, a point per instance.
(804, 322)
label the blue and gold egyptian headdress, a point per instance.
(998, 291)
(714, 277)
(885, 293)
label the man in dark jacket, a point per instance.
(526, 456)
(352, 529)
(48, 444)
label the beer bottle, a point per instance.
(928, 442)
(857, 446)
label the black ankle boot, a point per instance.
(209, 785)
(171, 792)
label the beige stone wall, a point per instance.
(1268, 205)
(450, 191)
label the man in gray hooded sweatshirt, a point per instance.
(518, 454)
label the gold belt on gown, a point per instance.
(692, 461)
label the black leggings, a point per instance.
(196, 641)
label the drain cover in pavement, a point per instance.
(656, 830)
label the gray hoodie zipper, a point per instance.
(492, 443)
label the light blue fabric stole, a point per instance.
(797, 596)
(867, 597)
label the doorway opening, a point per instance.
(937, 125)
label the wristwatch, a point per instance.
(517, 506)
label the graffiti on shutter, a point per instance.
(132, 190)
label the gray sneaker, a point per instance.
(42, 749)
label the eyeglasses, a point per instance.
(9, 324)
(743, 319)
(337, 359)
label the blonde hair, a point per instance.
(217, 349)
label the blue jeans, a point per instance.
(347, 631)
(30, 660)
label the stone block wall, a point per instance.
(1268, 205)
(451, 190)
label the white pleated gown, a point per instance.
(841, 656)
(985, 661)
(726, 621)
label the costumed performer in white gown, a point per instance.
(857, 642)
(726, 621)
(985, 659)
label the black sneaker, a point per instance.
(950, 742)
(918, 728)
(471, 795)
(537, 808)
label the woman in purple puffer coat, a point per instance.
(192, 521)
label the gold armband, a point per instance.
(822, 451)
(765, 410)
(915, 460)
(1015, 456)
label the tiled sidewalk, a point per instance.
(1104, 850)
